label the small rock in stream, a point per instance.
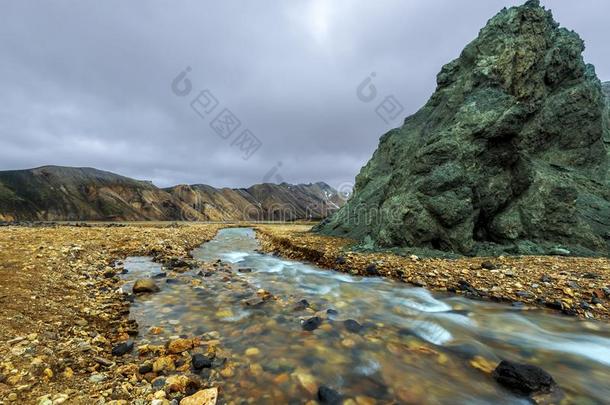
(311, 324)
(301, 305)
(332, 312)
(122, 348)
(352, 326)
(254, 302)
(145, 285)
(244, 270)
(199, 361)
(523, 378)
(329, 396)
(160, 275)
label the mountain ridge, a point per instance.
(56, 193)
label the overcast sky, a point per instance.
(89, 83)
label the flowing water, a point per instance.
(414, 346)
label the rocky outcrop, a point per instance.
(510, 154)
(54, 193)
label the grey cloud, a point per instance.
(88, 83)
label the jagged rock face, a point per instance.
(507, 155)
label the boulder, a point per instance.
(509, 155)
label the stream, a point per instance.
(408, 345)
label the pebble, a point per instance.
(311, 324)
(145, 368)
(523, 378)
(301, 305)
(352, 326)
(328, 396)
(488, 266)
(199, 361)
(371, 270)
(252, 351)
(208, 396)
(97, 378)
(122, 348)
(145, 285)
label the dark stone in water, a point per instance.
(160, 275)
(340, 260)
(254, 302)
(172, 281)
(200, 361)
(352, 326)
(177, 263)
(328, 396)
(245, 270)
(145, 368)
(301, 305)
(523, 378)
(311, 324)
(518, 304)
(122, 348)
(332, 312)
(371, 270)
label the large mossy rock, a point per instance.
(510, 154)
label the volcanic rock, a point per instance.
(523, 378)
(510, 154)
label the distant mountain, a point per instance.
(54, 193)
(276, 202)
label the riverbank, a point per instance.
(62, 312)
(575, 286)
